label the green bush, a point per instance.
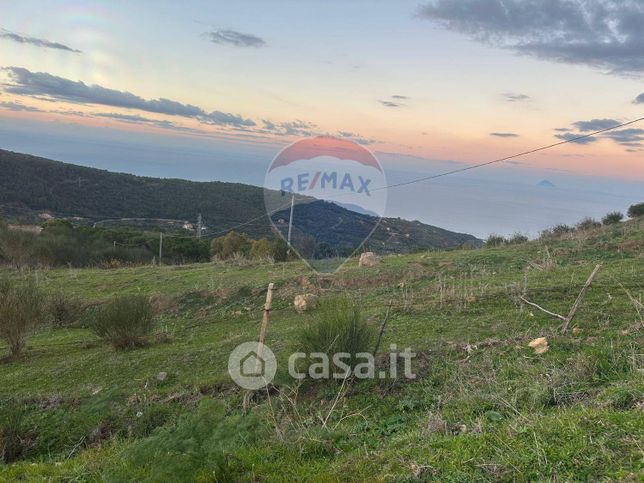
(64, 310)
(125, 321)
(261, 249)
(495, 241)
(227, 246)
(202, 446)
(517, 239)
(234, 245)
(12, 447)
(561, 229)
(21, 311)
(612, 218)
(635, 211)
(588, 223)
(339, 327)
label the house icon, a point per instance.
(252, 365)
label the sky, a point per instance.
(212, 90)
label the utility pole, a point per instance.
(160, 246)
(290, 221)
(199, 225)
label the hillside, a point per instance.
(31, 185)
(483, 407)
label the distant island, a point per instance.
(546, 184)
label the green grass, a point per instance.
(483, 407)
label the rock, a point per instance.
(576, 331)
(305, 302)
(539, 345)
(369, 259)
(162, 376)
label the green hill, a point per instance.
(31, 185)
(483, 407)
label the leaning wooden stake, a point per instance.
(580, 297)
(264, 329)
(525, 300)
(382, 329)
(262, 337)
(575, 306)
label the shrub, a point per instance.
(561, 229)
(260, 249)
(339, 327)
(125, 321)
(588, 224)
(612, 218)
(21, 311)
(495, 241)
(12, 447)
(64, 310)
(637, 210)
(232, 243)
(517, 239)
(280, 250)
(17, 247)
(202, 446)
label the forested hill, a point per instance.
(31, 185)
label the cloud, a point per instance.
(595, 124)
(290, 128)
(16, 106)
(639, 99)
(234, 38)
(510, 97)
(5, 34)
(35, 84)
(136, 119)
(569, 136)
(356, 138)
(631, 137)
(399, 97)
(605, 34)
(224, 118)
(627, 137)
(504, 134)
(390, 103)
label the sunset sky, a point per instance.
(418, 83)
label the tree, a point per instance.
(635, 211)
(324, 250)
(612, 218)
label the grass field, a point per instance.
(483, 407)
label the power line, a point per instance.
(415, 180)
(507, 158)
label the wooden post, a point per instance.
(160, 247)
(260, 344)
(580, 297)
(382, 329)
(264, 329)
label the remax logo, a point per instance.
(325, 196)
(326, 180)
